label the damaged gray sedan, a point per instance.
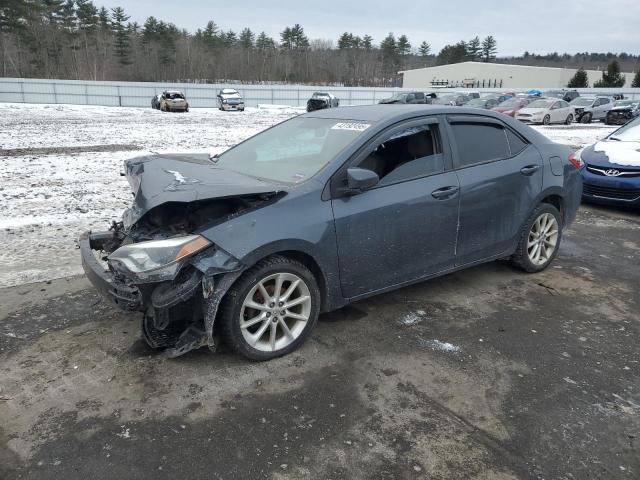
(322, 210)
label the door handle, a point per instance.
(529, 169)
(445, 192)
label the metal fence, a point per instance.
(138, 94)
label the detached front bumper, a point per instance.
(126, 297)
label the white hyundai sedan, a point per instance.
(547, 111)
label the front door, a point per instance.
(404, 228)
(500, 174)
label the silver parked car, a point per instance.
(591, 108)
(230, 99)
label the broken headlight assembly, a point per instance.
(156, 260)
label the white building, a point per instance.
(480, 74)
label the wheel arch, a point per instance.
(304, 253)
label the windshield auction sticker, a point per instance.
(357, 126)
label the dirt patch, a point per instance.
(19, 152)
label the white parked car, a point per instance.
(547, 111)
(230, 99)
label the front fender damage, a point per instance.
(182, 314)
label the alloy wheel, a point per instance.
(543, 239)
(275, 312)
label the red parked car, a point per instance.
(512, 105)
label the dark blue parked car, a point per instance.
(322, 210)
(611, 167)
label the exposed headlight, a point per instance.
(158, 259)
(224, 101)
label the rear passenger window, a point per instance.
(516, 143)
(480, 142)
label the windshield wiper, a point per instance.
(615, 138)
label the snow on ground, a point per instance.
(60, 170)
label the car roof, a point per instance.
(386, 112)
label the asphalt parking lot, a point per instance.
(487, 373)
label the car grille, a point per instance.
(622, 172)
(524, 115)
(608, 192)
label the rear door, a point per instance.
(404, 228)
(500, 174)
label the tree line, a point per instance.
(75, 39)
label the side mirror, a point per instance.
(360, 179)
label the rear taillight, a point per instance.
(575, 160)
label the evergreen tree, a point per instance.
(404, 47)
(87, 16)
(345, 41)
(265, 43)
(103, 18)
(247, 39)
(636, 80)
(230, 39)
(579, 80)
(453, 54)
(122, 43)
(474, 48)
(612, 78)
(367, 42)
(489, 48)
(425, 49)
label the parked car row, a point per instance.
(549, 107)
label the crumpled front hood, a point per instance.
(184, 178)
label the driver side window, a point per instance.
(410, 153)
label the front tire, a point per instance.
(569, 120)
(539, 239)
(270, 310)
(586, 118)
(546, 120)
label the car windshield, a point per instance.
(292, 151)
(477, 102)
(319, 94)
(582, 102)
(175, 95)
(542, 103)
(398, 96)
(628, 133)
(445, 99)
(512, 103)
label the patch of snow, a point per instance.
(48, 200)
(621, 153)
(439, 345)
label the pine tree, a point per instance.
(265, 43)
(87, 16)
(612, 78)
(489, 48)
(579, 80)
(636, 80)
(425, 49)
(367, 42)
(453, 54)
(474, 48)
(404, 47)
(247, 39)
(345, 41)
(122, 43)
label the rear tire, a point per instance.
(539, 239)
(254, 318)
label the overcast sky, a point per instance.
(540, 26)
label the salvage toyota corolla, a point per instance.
(322, 210)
